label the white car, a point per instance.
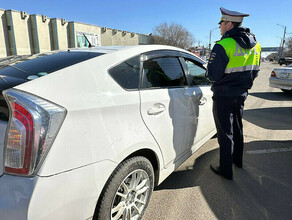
(281, 78)
(90, 132)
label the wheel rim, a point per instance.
(131, 197)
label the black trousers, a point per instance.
(228, 112)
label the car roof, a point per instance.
(137, 48)
(133, 49)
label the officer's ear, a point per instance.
(229, 25)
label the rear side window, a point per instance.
(163, 72)
(24, 66)
(127, 74)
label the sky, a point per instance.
(199, 17)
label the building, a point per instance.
(22, 33)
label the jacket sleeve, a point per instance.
(217, 63)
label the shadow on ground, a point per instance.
(278, 118)
(261, 190)
(272, 96)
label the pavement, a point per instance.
(261, 190)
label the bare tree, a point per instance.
(288, 48)
(272, 56)
(173, 35)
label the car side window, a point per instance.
(127, 74)
(163, 72)
(196, 73)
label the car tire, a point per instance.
(128, 190)
(286, 91)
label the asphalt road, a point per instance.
(261, 190)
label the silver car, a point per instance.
(281, 78)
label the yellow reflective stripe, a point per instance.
(242, 69)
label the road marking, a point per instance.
(268, 151)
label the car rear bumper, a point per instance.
(15, 196)
(281, 83)
(70, 195)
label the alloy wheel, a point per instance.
(131, 196)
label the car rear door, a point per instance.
(167, 108)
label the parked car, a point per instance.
(90, 132)
(281, 78)
(285, 60)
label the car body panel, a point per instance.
(280, 83)
(184, 119)
(206, 124)
(176, 121)
(165, 172)
(16, 193)
(3, 126)
(77, 190)
(283, 79)
(23, 198)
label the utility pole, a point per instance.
(283, 41)
(280, 49)
(210, 40)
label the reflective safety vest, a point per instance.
(240, 59)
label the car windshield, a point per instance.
(44, 63)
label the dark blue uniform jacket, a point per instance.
(234, 84)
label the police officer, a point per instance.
(233, 65)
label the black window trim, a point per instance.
(194, 58)
(159, 54)
(185, 69)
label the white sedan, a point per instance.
(281, 78)
(90, 132)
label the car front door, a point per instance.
(166, 106)
(200, 85)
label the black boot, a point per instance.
(217, 170)
(239, 165)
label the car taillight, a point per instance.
(273, 74)
(32, 128)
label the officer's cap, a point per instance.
(232, 16)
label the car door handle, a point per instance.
(156, 109)
(203, 101)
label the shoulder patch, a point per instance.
(212, 57)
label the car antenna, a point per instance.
(89, 44)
